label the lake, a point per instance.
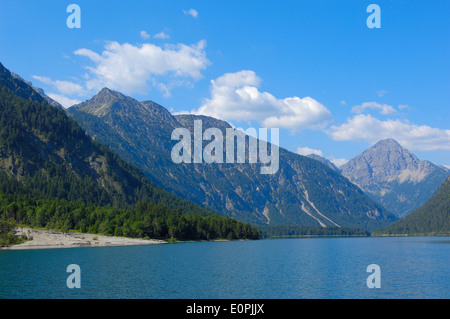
(264, 269)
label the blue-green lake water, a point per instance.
(269, 269)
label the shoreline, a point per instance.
(51, 239)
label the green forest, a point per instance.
(431, 219)
(145, 220)
(54, 176)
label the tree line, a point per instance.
(144, 220)
(290, 231)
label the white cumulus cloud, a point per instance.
(364, 127)
(382, 108)
(307, 151)
(236, 97)
(339, 161)
(134, 69)
(162, 35)
(192, 12)
(130, 68)
(144, 35)
(64, 87)
(64, 101)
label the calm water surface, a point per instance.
(269, 269)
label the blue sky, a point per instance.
(312, 68)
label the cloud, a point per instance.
(162, 35)
(144, 35)
(382, 93)
(364, 127)
(307, 151)
(192, 12)
(404, 106)
(236, 97)
(64, 101)
(130, 69)
(383, 108)
(339, 161)
(64, 87)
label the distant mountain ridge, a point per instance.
(40, 91)
(302, 192)
(394, 177)
(325, 161)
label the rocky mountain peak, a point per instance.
(394, 176)
(106, 96)
(384, 161)
(388, 142)
(108, 102)
(108, 93)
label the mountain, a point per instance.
(324, 160)
(394, 177)
(302, 192)
(17, 86)
(46, 154)
(433, 218)
(40, 91)
(445, 168)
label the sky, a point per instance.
(312, 68)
